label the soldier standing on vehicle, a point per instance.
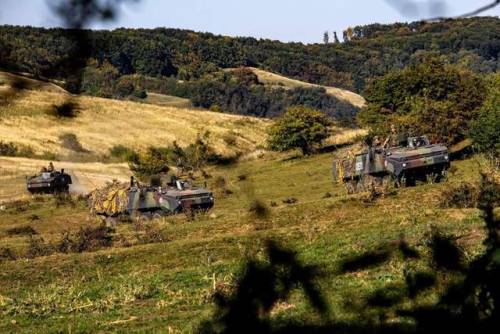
(393, 138)
(160, 179)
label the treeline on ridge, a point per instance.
(368, 51)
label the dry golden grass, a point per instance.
(103, 123)
(343, 136)
(276, 79)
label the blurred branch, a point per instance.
(412, 8)
(77, 14)
(473, 13)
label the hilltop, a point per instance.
(276, 80)
(7, 80)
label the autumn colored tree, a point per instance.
(431, 97)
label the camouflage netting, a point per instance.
(110, 200)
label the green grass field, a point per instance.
(167, 287)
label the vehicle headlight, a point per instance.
(404, 165)
(446, 157)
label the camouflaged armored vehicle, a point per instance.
(135, 200)
(49, 182)
(418, 160)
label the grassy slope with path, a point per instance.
(274, 79)
(167, 286)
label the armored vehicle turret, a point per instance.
(49, 182)
(418, 160)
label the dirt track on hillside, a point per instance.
(86, 176)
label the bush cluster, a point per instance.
(301, 128)
(122, 153)
(9, 149)
(156, 160)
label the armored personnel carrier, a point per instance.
(49, 182)
(418, 160)
(136, 200)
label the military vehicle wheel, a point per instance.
(110, 222)
(439, 176)
(143, 217)
(350, 187)
(190, 213)
(400, 181)
(157, 215)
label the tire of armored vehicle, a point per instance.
(49, 182)
(419, 160)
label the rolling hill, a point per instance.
(104, 123)
(101, 124)
(8, 79)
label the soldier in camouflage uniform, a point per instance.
(393, 138)
(160, 179)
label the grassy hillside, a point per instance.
(274, 79)
(103, 123)
(168, 100)
(167, 286)
(7, 79)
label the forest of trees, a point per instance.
(371, 51)
(117, 61)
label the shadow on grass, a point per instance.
(471, 305)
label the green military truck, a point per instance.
(418, 160)
(141, 201)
